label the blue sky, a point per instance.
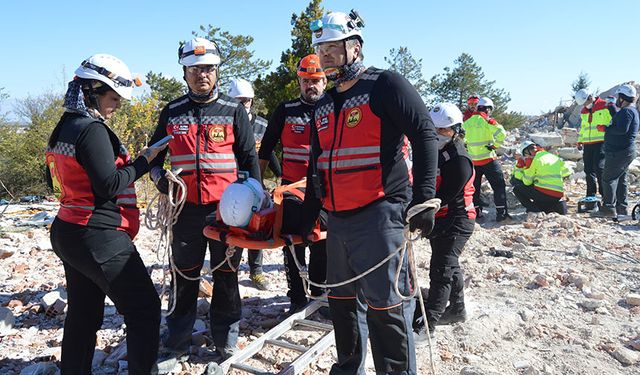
(533, 49)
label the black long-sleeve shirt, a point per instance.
(401, 111)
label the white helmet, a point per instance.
(445, 115)
(523, 146)
(627, 90)
(485, 102)
(110, 70)
(581, 96)
(240, 200)
(336, 26)
(240, 88)
(199, 51)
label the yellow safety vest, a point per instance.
(597, 115)
(482, 131)
(546, 173)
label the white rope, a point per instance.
(168, 209)
(405, 248)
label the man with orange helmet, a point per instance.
(290, 125)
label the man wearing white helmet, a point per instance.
(595, 118)
(360, 176)
(242, 90)
(484, 135)
(93, 176)
(619, 152)
(212, 140)
(454, 223)
(541, 186)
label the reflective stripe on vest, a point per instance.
(295, 138)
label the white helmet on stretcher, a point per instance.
(240, 200)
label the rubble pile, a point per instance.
(565, 301)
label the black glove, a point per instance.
(490, 147)
(423, 220)
(158, 175)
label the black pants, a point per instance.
(593, 158)
(317, 270)
(537, 201)
(370, 306)
(101, 262)
(614, 179)
(494, 175)
(254, 259)
(446, 277)
(189, 248)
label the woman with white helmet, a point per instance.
(93, 176)
(453, 225)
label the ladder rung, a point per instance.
(287, 345)
(313, 324)
(249, 369)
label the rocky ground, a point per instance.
(565, 302)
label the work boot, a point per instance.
(259, 281)
(605, 212)
(503, 216)
(453, 314)
(297, 306)
(420, 338)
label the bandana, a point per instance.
(74, 101)
(203, 98)
(345, 73)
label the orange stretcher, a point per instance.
(264, 229)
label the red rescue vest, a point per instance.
(78, 204)
(464, 201)
(350, 143)
(203, 147)
(295, 141)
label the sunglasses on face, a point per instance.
(197, 69)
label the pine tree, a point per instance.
(402, 61)
(282, 84)
(582, 82)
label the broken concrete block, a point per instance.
(117, 354)
(547, 139)
(569, 153)
(633, 299)
(54, 303)
(570, 136)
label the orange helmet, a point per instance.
(309, 67)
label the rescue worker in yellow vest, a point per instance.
(542, 185)
(483, 136)
(595, 117)
(518, 169)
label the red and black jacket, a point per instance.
(361, 143)
(93, 191)
(454, 184)
(211, 141)
(290, 123)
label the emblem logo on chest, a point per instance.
(217, 133)
(354, 117)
